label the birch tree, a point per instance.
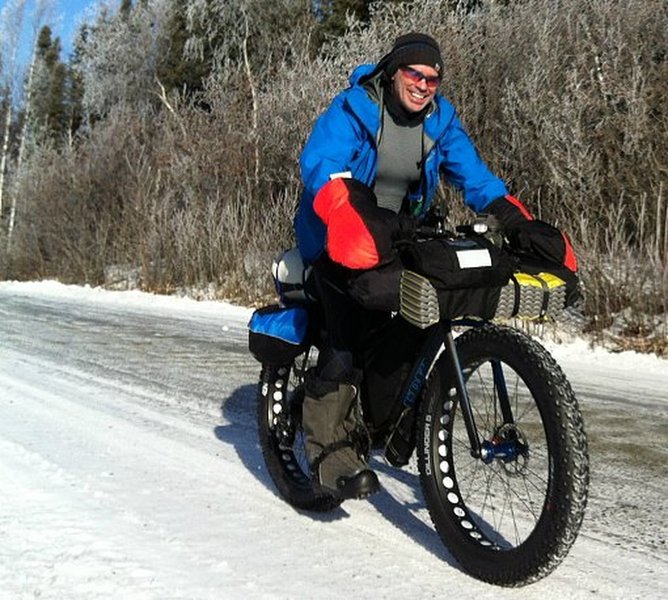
(12, 20)
(17, 29)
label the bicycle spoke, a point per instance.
(509, 493)
(495, 491)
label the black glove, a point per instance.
(531, 237)
(509, 211)
(404, 230)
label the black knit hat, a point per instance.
(412, 49)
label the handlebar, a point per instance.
(484, 225)
(433, 232)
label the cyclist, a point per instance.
(377, 151)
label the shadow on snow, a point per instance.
(240, 431)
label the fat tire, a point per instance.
(567, 478)
(277, 393)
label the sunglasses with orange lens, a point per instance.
(416, 76)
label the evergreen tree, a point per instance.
(334, 13)
(333, 16)
(176, 69)
(75, 84)
(125, 9)
(48, 112)
(236, 32)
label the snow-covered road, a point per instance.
(129, 468)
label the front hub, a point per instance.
(508, 447)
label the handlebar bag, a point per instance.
(460, 263)
(278, 334)
(467, 273)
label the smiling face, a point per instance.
(415, 86)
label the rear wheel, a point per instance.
(510, 516)
(280, 400)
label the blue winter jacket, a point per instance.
(345, 139)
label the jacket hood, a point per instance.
(361, 73)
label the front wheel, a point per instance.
(279, 417)
(510, 516)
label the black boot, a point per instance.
(330, 421)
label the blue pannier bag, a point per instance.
(278, 334)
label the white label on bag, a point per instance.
(341, 175)
(470, 259)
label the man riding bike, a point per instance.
(376, 154)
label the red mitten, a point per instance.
(359, 233)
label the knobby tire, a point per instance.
(280, 396)
(510, 521)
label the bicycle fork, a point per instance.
(489, 449)
(462, 392)
(441, 337)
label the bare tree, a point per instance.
(12, 21)
(566, 101)
(118, 57)
(17, 85)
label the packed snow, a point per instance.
(130, 468)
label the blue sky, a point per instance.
(66, 18)
(71, 14)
